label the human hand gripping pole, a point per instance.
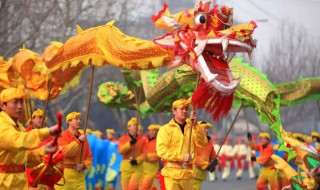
(212, 166)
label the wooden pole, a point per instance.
(232, 124)
(89, 100)
(193, 110)
(46, 104)
(245, 117)
(185, 165)
(121, 121)
(88, 109)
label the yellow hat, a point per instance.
(314, 134)
(264, 135)
(296, 135)
(12, 93)
(309, 139)
(140, 128)
(204, 124)
(110, 131)
(88, 131)
(154, 127)
(96, 132)
(132, 121)
(38, 113)
(72, 115)
(181, 103)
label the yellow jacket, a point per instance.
(172, 145)
(15, 150)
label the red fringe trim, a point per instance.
(160, 178)
(213, 102)
(154, 18)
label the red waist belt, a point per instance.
(12, 168)
(70, 166)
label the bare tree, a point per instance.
(293, 55)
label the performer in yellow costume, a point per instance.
(36, 120)
(172, 147)
(151, 164)
(71, 141)
(17, 145)
(267, 174)
(206, 159)
(131, 147)
(110, 135)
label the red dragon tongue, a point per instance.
(220, 64)
(216, 63)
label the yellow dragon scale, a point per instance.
(108, 45)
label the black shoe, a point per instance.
(224, 179)
(238, 178)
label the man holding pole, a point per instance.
(151, 164)
(131, 147)
(267, 175)
(205, 159)
(176, 143)
(36, 120)
(74, 163)
(17, 148)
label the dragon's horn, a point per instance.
(79, 29)
(204, 5)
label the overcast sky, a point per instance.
(306, 13)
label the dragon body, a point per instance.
(255, 91)
(203, 38)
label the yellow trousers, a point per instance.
(267, 176)
(178, 184)
(197, 183)
(148, 182)
(80, 185)
(74, 180)
(130, 180)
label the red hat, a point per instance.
(227, 139)
(239, 139)
(254, 137)
(214, 138)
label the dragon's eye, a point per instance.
(200, 19)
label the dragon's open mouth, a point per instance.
(213, 58)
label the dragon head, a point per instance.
(205, 39)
